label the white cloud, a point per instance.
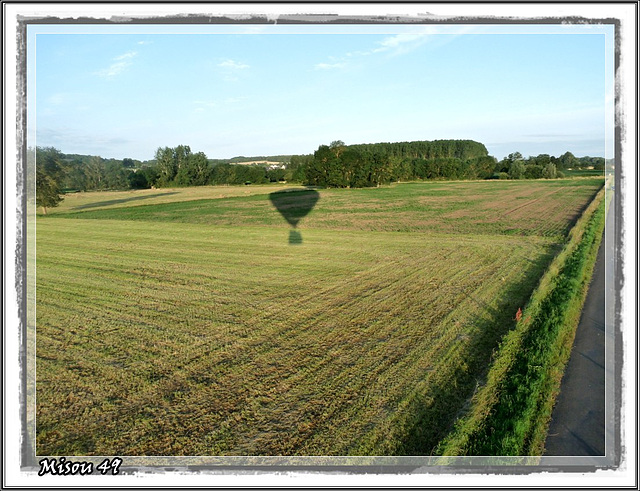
(114, 69)
(329, 66)
(126, 56)
(406, 42)
(399, 39)
(394, 45)
(401, 43)
(234, 65)
(122, 62)
(145, 42)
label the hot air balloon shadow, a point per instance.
(293, 205)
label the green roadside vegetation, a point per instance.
(509, 415)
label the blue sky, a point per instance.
(124, 91)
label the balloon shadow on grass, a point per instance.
(294, 205)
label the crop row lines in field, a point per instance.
(176, 337)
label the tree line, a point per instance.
(544, 166)
(180, 167)
(333, 165)
(170, 167)
(366, 165)
(87, 172)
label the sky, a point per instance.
(124, 91)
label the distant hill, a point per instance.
(77, 157)
(260, 160)
(272, 158)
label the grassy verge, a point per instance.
(510, 414)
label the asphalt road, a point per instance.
(577, 425)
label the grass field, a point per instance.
(183, 322)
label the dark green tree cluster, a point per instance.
(296, 170)
(49, 174)
(366, 165)
(458, 149)
(241, 174)
(57, 173)
(544, 166)
(514, 166)
(90, 173)
(569, 161)
(180, 167)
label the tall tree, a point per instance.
(138, 180)
(49, 175)
(151, 175)
(566, 160)
(319, 170)
(116, 176)
(94, 172)
(550, 171)
(223, 174)
(517, 170)
(337, 147)
(515, 156)
(181, 155)
(166, 164)
(194, 171)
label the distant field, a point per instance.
(543, 208)
(83, 201)
(583, 172)
(186, 324)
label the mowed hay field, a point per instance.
(190, 325)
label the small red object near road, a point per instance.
(519, 314)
